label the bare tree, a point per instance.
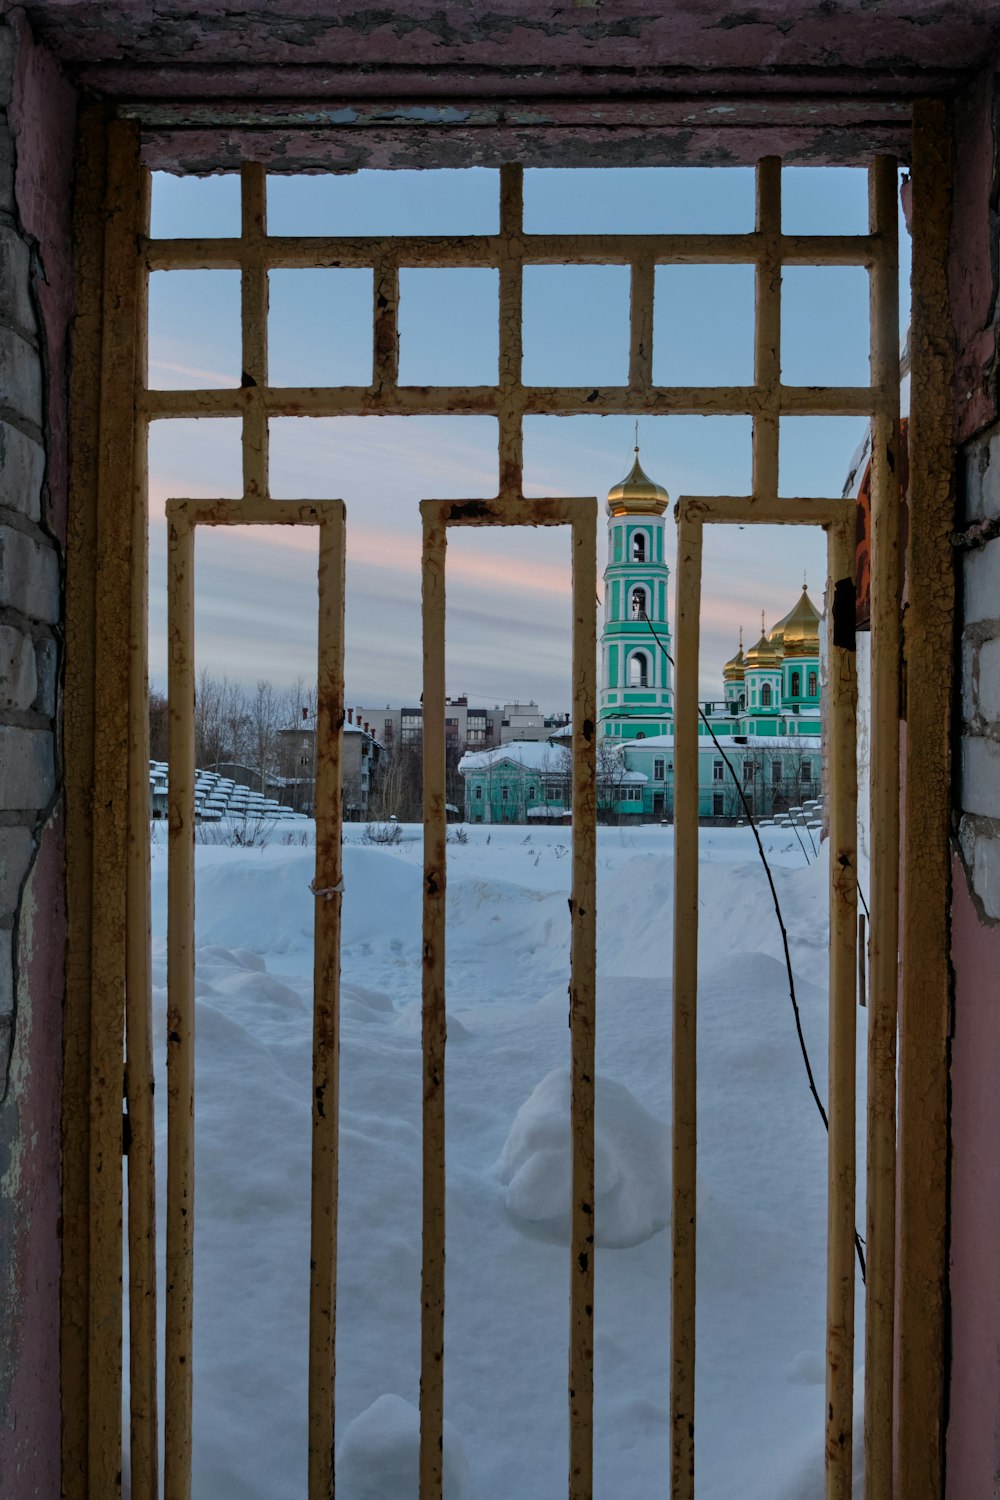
(158, 723)
(265, 712)
(611, 779)
(220, 720)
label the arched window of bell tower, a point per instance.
(639, 608)
(638, 669)
(638, 546)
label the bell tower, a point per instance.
(636, 691)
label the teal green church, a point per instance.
(766, 723)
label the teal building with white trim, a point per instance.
(767, 722)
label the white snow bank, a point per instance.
(379, 1455)
(632, 1171)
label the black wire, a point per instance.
(777, 912)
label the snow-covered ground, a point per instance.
(761, 1287)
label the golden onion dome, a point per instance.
(734, 670)
(637, 494)
(765, 656)
(776, 634)
(800, 632)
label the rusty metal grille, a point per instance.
(254, 253)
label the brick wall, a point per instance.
(36, 140)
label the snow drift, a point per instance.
(631, 1164)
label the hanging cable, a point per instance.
(858, 1242)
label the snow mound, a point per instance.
(379, 1455)
(632, 1165)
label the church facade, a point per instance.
(766, 723)
(764, 729)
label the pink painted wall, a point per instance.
(973, 1436)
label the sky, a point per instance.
(508, 590)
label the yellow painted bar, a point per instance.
(743, 510)
(886, 589)
(434, 1016)
(582, 1001)
(510, 395)
(289, 252)
(253, 313)
(767, 329)
(328, 890)
(114, 656)
(488, 400)
(180, 1009)
(641, 289)
(140, 1159)
(925, 997)
(843, 816)
(385, 325)
(685, 1012)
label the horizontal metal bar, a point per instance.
(486, 400)
(253, 511)
(513, 510)
(774, 510)
(290, 252)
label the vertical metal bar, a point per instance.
(843, 785)
(925, 996)
(434, 1016)
(116, 478)
(254, 302)
(767, 330)
(328, 888)
(82, 528)
(144, 1435)
(582, 1006)
(385, 325)
(640, 360)
(880, 1233)
(685, 984)
(180, 1008)
(511, 392)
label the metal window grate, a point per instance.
(254, 253)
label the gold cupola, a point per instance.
(765, 655)
(735, 668)
(637, 494)
(800, 628)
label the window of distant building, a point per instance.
(718, 770)
(748, 769)
(765, 695)
(632, 793)
(658, 769)
(639, 606)
(479, 794)
(639, 546)
(531, 794)
(807, 770)
(718, 804)
(813, 684)
(796, 684)
(505, 794)
(776, 772)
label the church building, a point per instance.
(767, 721)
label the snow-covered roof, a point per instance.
(730, 742)
(530, 755)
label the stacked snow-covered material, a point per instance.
(216, 797)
